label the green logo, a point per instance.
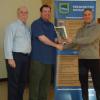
(63, 8)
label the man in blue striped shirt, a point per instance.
(17, 47)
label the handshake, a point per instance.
(62, 42)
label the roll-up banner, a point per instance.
(72, 9)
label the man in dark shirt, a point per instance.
(43, 55)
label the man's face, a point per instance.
(88, 16)
(23, 14)
(46, 13)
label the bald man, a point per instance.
(17, 48)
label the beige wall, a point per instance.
(8, 14)
(97, 8)
(8, 11)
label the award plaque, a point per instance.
(61, 33)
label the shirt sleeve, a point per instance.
(89, 39)
(8, 43)
(36, 30)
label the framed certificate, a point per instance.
(61, 32)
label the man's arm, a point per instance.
(8, 45)
(89, 39)
(47, 41)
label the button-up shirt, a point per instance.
(17, 39)
(41, 52)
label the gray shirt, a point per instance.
(88, 38)
(17, 39)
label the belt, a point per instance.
(24, 54)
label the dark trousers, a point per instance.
(39, 81)
(17, 76)
(53, 74)
(92, 65)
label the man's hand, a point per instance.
(59, 40)
(68, 40)
(59, 47)
(12, 63)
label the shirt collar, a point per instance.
(20, 22)
(46, 22)
(93, 23)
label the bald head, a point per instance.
(22, 13)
